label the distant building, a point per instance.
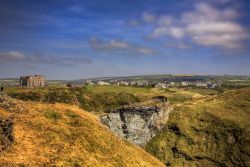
(161, 85)
(125, 83)
(139, 83)
(32, 81)
(89, 82)
(173, 84)
(201, 84)
(213, 85)
(103, 83)
(133, 83)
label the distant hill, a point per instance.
(214, 131)
(242, 80)
(37, 134)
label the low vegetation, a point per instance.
(64, 135)
(105, 98)
(213, 131)
(208, 127)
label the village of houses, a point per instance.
(39, 81)
(161, 85)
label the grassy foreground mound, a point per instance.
(214, 131)
(61, 135)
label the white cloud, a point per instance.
(76, 8)
(171, 31)
(119, 46)
(205, 25)
(214, 27)
(176, 32)
(38, 58)
(230, 14)
(11, 56)
(148, 17)
(180, 46)
(145, 50)
(204, 12)
(165, 20)
(209, 26)
(229, 41)
(132, 23)
(223, 1)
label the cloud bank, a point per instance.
(205, 25)
(120, 47)
(39, 58)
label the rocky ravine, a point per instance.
(138, 124)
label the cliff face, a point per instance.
(137, 124)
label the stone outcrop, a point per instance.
(137, 124)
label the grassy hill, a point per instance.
(214, 131)
(37, 134)
(104, 98)
(239, 80)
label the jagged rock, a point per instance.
(137, 124)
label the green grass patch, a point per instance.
(104, 98)
(53, 115)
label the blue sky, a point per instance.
(76, 39)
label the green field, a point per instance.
(105, 98)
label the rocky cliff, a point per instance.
(138, 124)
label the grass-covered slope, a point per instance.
(87, 98)
(214, 131)
(104, 98)
(62, 135)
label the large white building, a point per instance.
(125, 83)
(161, 85)
(103, 83)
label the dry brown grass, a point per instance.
(64, 135)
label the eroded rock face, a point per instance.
(138, 124)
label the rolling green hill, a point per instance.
(214, 131)
(105, 98)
